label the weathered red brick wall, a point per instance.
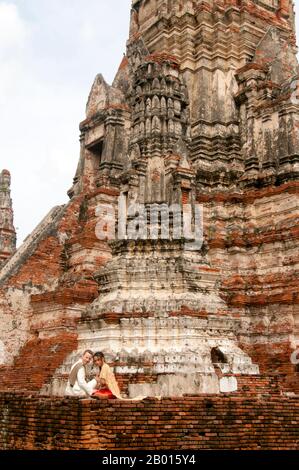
(37, 362)
(259, 268)
(206, 422)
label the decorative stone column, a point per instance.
(7, 230)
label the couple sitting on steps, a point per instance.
(104, 384)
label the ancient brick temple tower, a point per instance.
(7, 230)
(203, 110)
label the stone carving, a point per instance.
(7, 230)
(99, 96)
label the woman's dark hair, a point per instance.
(99, 354)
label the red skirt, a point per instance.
(103, 393)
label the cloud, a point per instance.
(87, 31)
(14, 34)
(50, 52)
(13, 30)
(37, 143)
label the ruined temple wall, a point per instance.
(255, 282)
(202, 423)
(254, 237)
(23, 277)
(46, 286)
(211, 40)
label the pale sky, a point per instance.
(50, 53)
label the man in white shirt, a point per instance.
(77, 385)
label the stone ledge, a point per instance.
(206, 422)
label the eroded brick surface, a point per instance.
(206, 422)
(36, 363)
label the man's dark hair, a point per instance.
(88, 351)
(99, 354)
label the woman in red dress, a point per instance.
(107, 385)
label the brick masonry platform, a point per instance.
(207, 422)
